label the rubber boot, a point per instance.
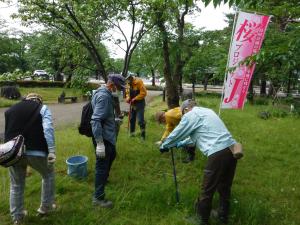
(202, 213)
(143, 131)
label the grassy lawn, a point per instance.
(49, 95)
(265, 189)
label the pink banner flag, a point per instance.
(247, 38)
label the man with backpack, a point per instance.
(104, 135)
(33, 120)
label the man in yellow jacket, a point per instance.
(172, 118)
(135, 96)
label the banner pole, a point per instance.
(228, 57)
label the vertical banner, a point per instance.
(246, 41)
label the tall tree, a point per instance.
(78, 19)
(128, 18)
(169, 16)
(147, 57)
(281, 46)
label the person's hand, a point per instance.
(128, 100)
(100, 150)
(118, 120)
(158, 143)
(163, 149)
(132, 101)
(51, 158)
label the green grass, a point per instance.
(265, 189)
(49, 95)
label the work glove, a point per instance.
(100, 150)
(158, 143)
(163, 149)
(51, 158)
(118, 121)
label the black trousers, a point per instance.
(218, 176)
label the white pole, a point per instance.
(225, 77)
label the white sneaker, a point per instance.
(46, 210)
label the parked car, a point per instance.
(41, 75)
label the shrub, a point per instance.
(33, 83)
(261, 101)
(273, 112)
(154, 88)
(264, 115)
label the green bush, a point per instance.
(33, 83)
(261, 101)
(154, 88)
(273, 112)
(207, 94)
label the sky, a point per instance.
(210, 18)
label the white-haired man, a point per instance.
(211, 136)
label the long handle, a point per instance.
(175, 179)
(129, 115)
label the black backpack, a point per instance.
(85, 127)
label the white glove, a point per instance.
(51, 158)
(118, 120)
(100, 150)
(158, 143)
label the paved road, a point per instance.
(70, 113)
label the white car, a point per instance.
(41, 74)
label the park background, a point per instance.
(69, 41)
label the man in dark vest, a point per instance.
(33, 120)
(135, 96)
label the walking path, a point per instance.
(64, 114)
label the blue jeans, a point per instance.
(17, 174)
(102, 168)
(137, 112)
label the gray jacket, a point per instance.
(103, 118)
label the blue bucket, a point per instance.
(77, 166)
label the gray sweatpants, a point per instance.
(17, 174)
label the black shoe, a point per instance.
(143, 135)
(222, 219)
(188, 159)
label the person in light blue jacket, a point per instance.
(206, 130)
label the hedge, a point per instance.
(154, 88)
(33, 83)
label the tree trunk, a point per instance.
(250, 95)
(171, 84)
(263, 86)
(205, 82)
(172, 96)
(153, 77)
(289, 84)
(193, 87)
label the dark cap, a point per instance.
(118, 80)
(189, 103)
